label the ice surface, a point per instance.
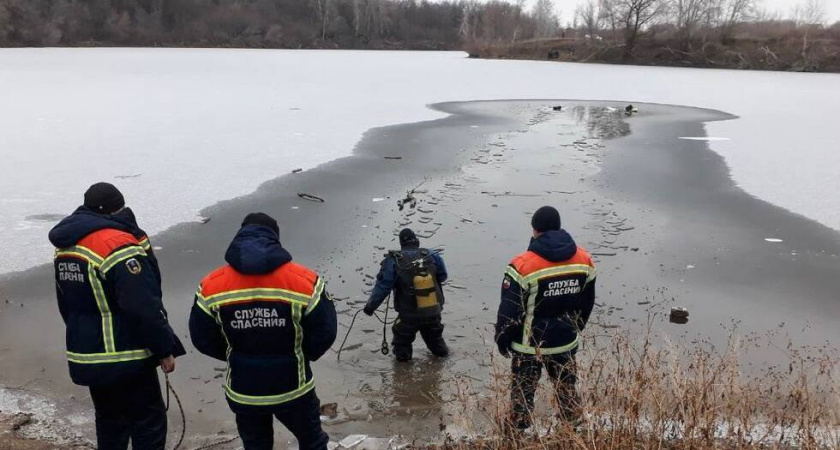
(710, 138)
(181, 129)
(352, 440)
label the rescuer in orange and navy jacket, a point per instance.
(268, 317)
(109, 295)
(548, 294)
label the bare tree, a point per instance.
(467, 28)
(810, 13)
(322, 9)
(766, 15)
(374, 18)
(732, 12)
(546, 18)
(634, 16)
(688, 16)
(609, 14)
(591, 17)
(357, 17)
(5, 22)
(520, 7)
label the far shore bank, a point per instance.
(666, 223)
(743, 55)
(747, 56)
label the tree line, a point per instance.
(690, 22)
(409, 24)
(697, 33)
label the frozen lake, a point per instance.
(178, 130)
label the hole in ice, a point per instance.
(710, 138)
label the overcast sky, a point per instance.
(567, 7)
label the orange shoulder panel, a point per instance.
(530, 262)
(219, 280)
(213, 281)
(297, 278)
(289, 276)
(104, 242)
(582, 257)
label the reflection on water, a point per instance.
(411, 389)
(602, 122)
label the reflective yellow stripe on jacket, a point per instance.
(244, 295)
(535, 277)
(108, 357)
(301, 365)
(527, 349)
(97, 265)
(528, 284)
(119, 256)
(268, 400)
(104, 310)
(300, 305)
(78, 251)
(316, 296)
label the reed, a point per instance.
(643, 391)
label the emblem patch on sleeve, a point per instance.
(133, 266)
(506, 283)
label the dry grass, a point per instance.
(643, 392)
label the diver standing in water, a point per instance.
(415, 275)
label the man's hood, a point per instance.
(256, 250)
(84, 221)
(555, 246)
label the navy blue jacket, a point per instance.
(557, 278)
(267, 316)
(109, 294)
(386, 279)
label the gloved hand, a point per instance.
(368, 310)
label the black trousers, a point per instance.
(527, 370)
(131, 409)
(301, 416)
(405, 330)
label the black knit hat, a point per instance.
(104, 198)
(546, 219)
(408, 238)
(262, 219)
